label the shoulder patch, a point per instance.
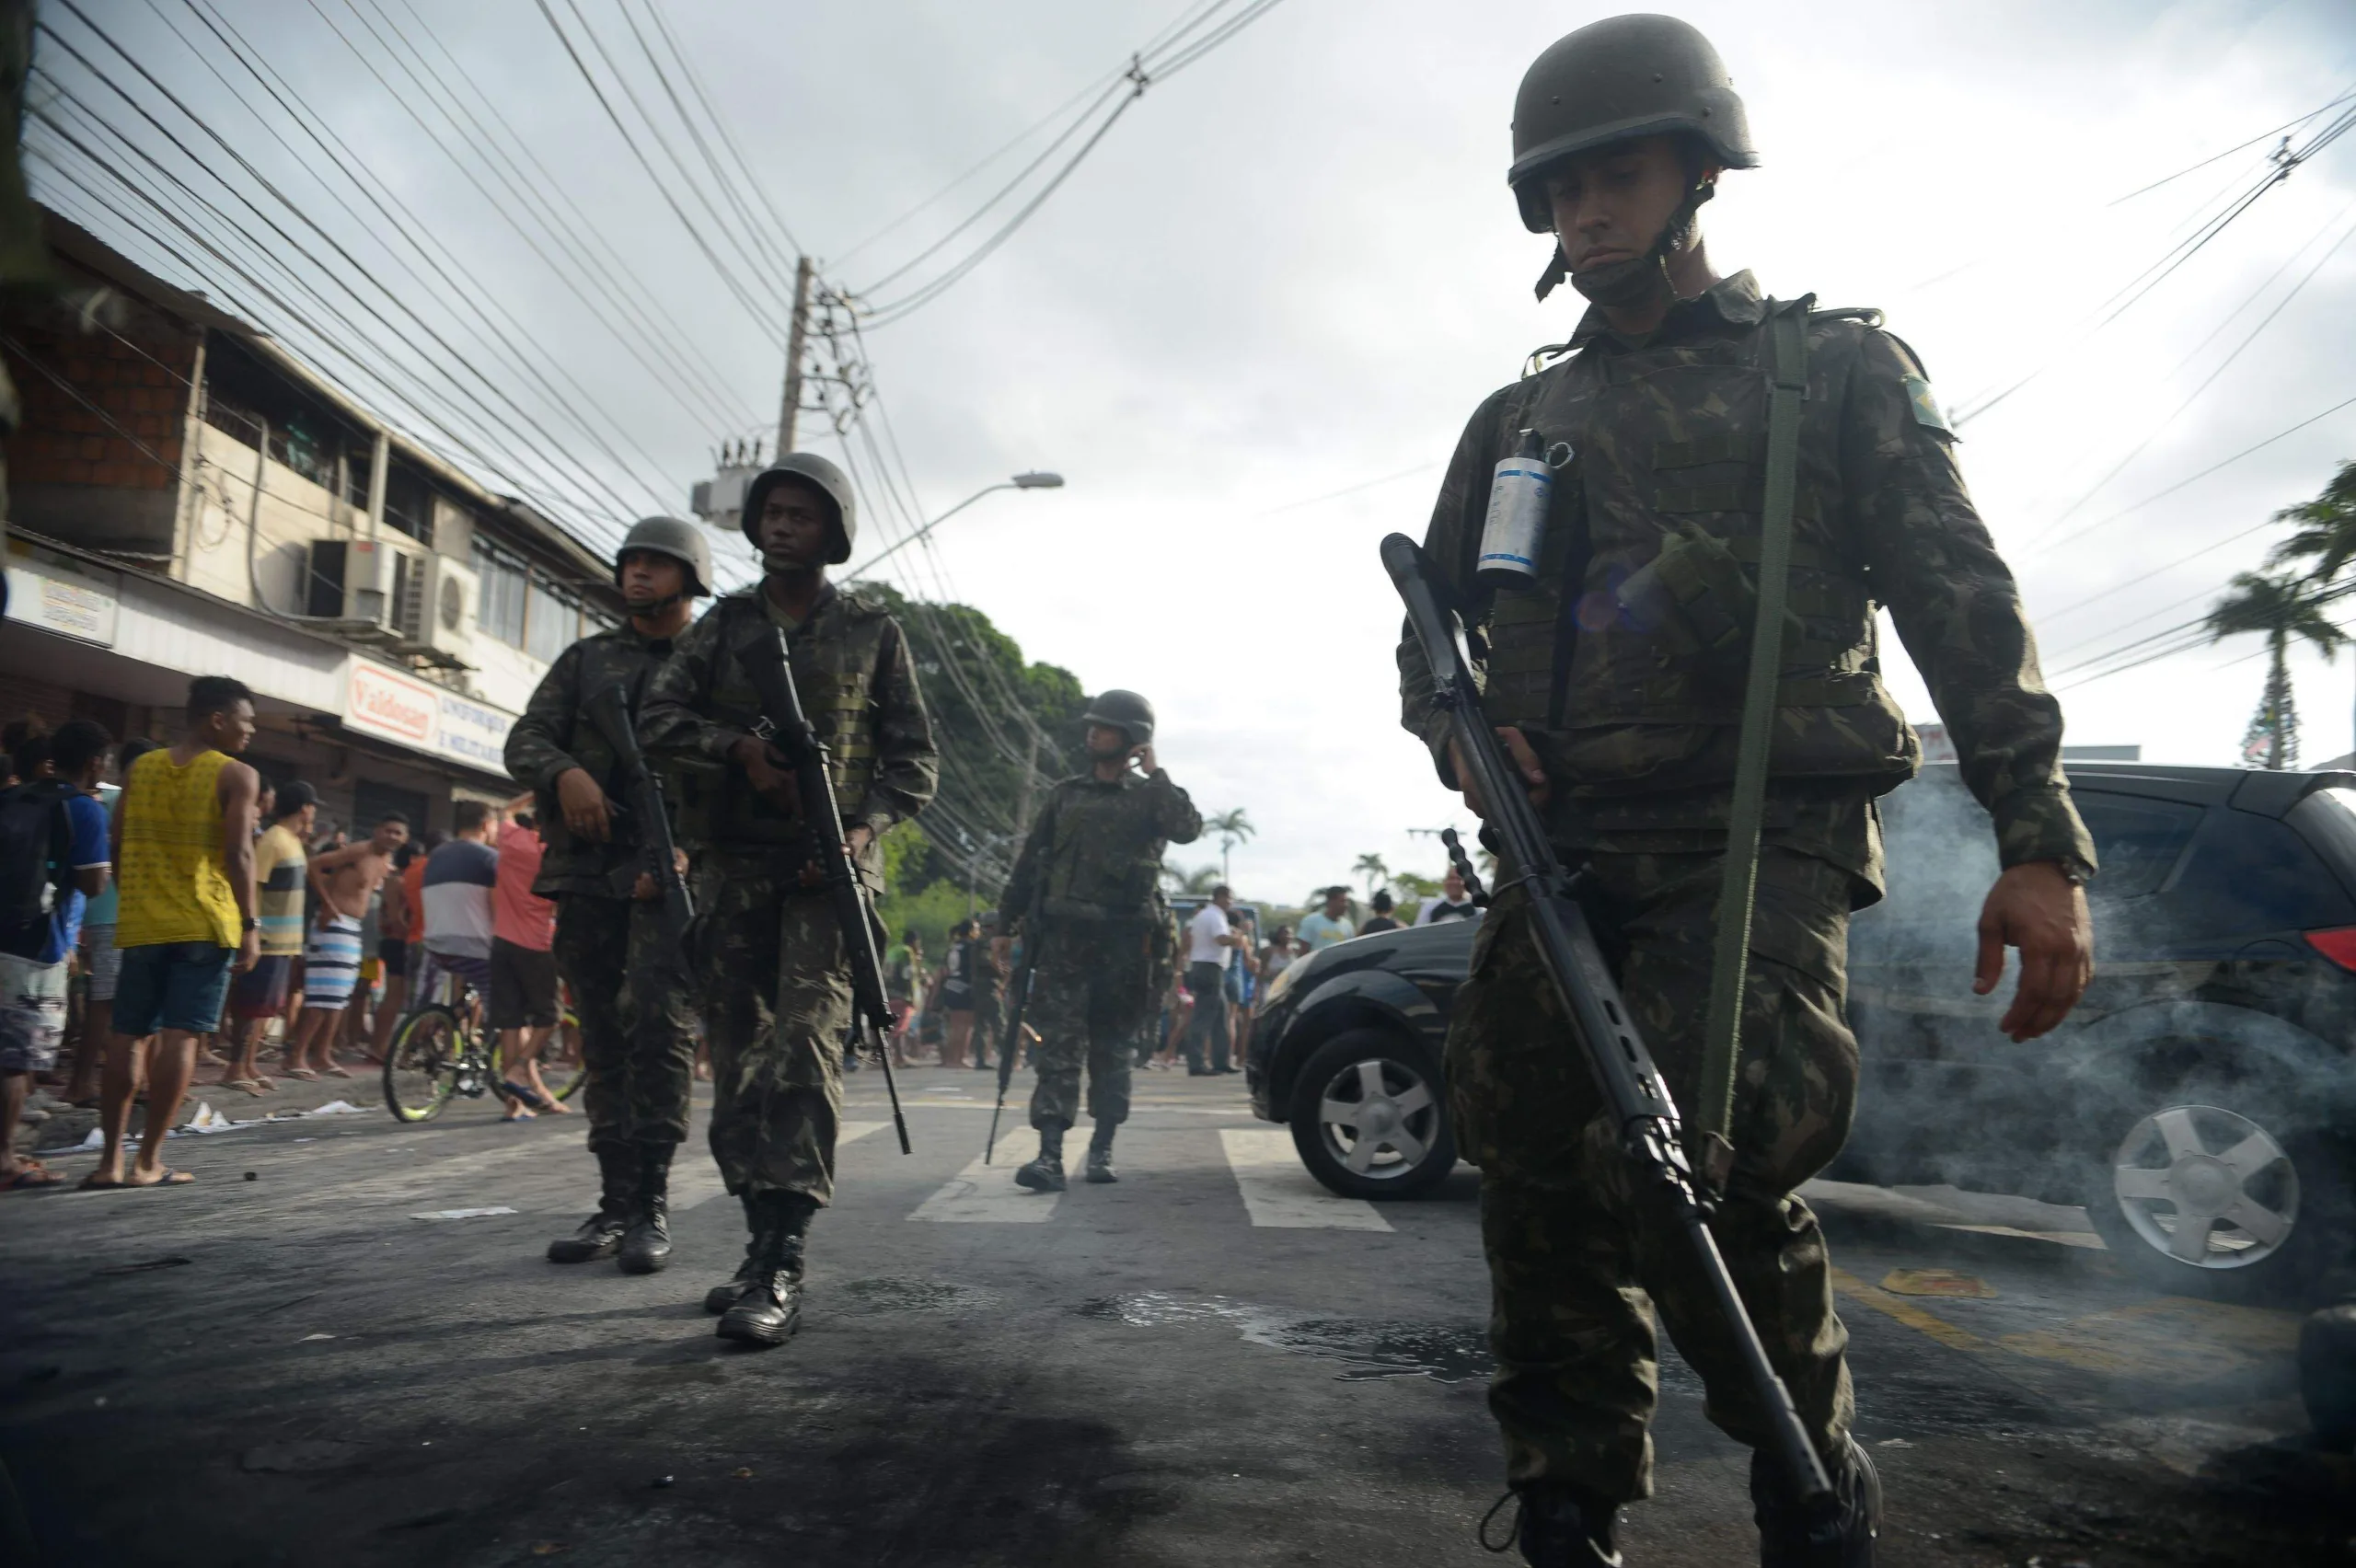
(1926, 407)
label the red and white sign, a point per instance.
(385, 702)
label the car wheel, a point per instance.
(1370, 1117)
(2219, 1193)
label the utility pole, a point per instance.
(1023, 792)
(795, 342)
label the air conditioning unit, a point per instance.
(448, 598)
(356, 579)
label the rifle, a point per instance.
(1018, 996)
(608, 709)
(1633, 1093)
(788, 729)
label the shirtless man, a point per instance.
(342, 884)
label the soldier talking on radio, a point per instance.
(619, 962)
(1610, 526)
(770, 960)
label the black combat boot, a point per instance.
(1100, 1156)
(770, 1308)
(601, 1234)
(1559, 1527)
(720, 1298)
(2327, 1373)
(1045, 1174)
(1791, 1537)
(646, 1246)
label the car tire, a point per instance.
(1369, 1116)
(2272, 1195)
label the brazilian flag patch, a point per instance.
(1926, 407)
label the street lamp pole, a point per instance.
(1021, 481)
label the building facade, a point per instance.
(186, 498)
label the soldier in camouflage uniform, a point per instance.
(1087, 889)
(1615, 681)
(628, 982)
(769, 958)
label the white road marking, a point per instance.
(986, 1194)
(693, 1188)
(1281, 1195)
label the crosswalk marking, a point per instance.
(693, 1189)
(986, 1194)
(1281, 1195)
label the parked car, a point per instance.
(1346, 1052)
(2200, 1103)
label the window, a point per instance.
(553, 623)
(2137, 842)
(409, 505)
(2252, 875)
(504, 581)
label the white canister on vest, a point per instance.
(1519, 494)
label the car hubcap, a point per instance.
(2207, 1187)
(1377, 1118)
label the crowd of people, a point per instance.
(165, 910)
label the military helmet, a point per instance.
(675, 537)
(1615, 80)
(818, 470)
(1124, 712)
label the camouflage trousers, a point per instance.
(637, 1022)
(1577, 1263)
(776, 1006)
(1087, 995)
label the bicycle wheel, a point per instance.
(422, 1068)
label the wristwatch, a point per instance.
(251, 924)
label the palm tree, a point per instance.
(1233, 828)
(1201, 880)
(2278, 608)
(1377, 874)
(2326, 538)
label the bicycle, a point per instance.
(441, 1050)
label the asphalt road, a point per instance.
(1211, 1363)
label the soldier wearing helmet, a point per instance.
(1616, 653)
(769, 966)
(637, 1040)
(1087, 891)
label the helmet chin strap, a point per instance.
(1623, 285)
(653, 607)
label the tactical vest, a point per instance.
(836, 658)
(1105, 861)
(606, 658)
(1637, 691)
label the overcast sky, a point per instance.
(1294, 269)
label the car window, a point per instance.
(2248, 874)
(2137, 842)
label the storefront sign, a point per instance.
(399, 707)
(59, 593)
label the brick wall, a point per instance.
(60, 441)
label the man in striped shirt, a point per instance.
(259, 994)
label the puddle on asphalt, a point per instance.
(1367, 1349)
(910, 1296)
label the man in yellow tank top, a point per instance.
(184, 842)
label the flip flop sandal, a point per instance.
(338, 1072)
(306, 1074)
(34, 1176)
(529, 1095)
(517, 1116)
(251, 1086)
(91, 1183)
(170, 1178)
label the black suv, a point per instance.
(2200, 1102)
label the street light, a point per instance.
(1032, 480)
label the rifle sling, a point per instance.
(1714, 1109)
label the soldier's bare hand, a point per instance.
(2037, 909)
(1518, 753)
(1143, 757)
(583, 802)
(858, 837)
(644, 889)
(769, 770)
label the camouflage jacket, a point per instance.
(858, 686)
(555, 735)
(1095, 851)
(1632, 706)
